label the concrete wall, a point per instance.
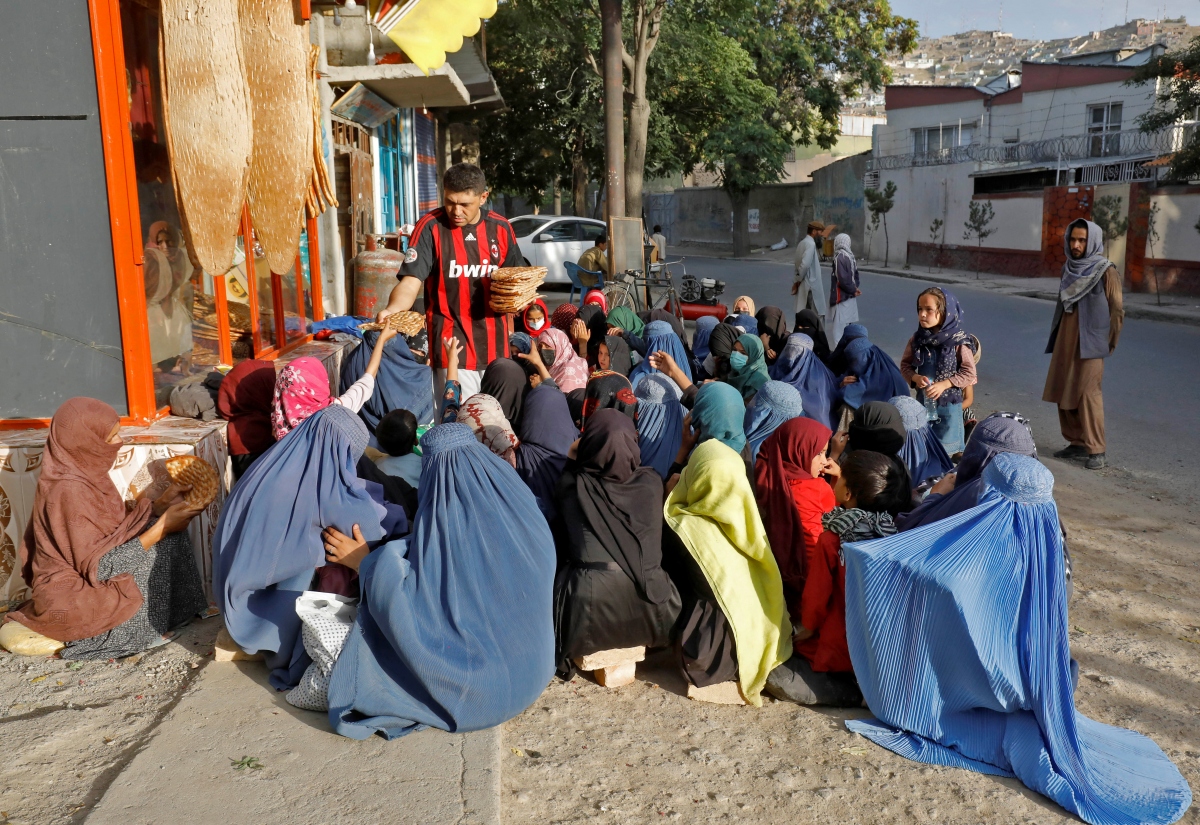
(1117, 246)
(1058, 112)
(1176, 222)
(838, 197)
(60, 331)
(703, 214)
(1017, 225)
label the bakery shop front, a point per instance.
(164, 176)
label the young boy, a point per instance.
(397, 435)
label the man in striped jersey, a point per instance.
(451, 251)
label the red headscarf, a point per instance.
(563, 316)
(78, 516)
(540, 304)
(596, 297)
(787, 456)
(244, 400)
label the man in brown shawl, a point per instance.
(1087, 324)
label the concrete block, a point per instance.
(724, 693)
(616, 676)
(610, 658)
(225, 649)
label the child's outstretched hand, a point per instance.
(342, 549)
(454, 350)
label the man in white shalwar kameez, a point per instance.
(809, 286)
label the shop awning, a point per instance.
(427, 30)
(404, 85)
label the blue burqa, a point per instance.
(799, 366)
(958, 634)
(774, 403)
(659, 422)
(922, 452)
(659, 335)
(402, 383)
(268, 539)
(705, 324)
(1001, 432)
(546, 432)
(455, 628)
(879, 379)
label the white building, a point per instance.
(1070, 125)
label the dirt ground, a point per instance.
(70, 727)
(646, 753)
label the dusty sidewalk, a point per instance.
(645, 753)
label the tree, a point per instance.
(935, 235)
(1176, 76)
(1105, 213)
(1152, 237)
(978, 223)
(549, 131)
(813, 54)
(880, 203)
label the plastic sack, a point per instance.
(17, 638)
(326, 620)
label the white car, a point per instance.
(552, 240)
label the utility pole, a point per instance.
(614, 106)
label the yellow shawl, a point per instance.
(713, 511)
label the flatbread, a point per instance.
(206, 114)
(406, 323)
(281, 165)
(188, 469)
(513, 288)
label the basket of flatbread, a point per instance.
(406, 323)
(188, 469)
(515, 287)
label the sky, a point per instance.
(1037, 19)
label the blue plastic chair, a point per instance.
(573, 271)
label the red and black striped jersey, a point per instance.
(454, 262)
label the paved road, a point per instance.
(1152, 383)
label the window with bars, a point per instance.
(198, 320)
(1104, 128)
(930, 140)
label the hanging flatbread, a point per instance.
(206, 111)
(281, 164)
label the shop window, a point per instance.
(196, 320)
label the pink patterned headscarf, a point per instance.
(301, 389)
(484, 415)
(569, 370)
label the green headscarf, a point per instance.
(718, 412)
(751, 377)
(625, 318)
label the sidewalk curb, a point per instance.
(1150, 313)
(308, 773)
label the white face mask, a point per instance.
(537, 324)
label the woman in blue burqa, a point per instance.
(268, 548)
(455, 628)
(799, 366)
(958, 635)
(403, 382)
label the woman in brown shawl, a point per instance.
(107, 582)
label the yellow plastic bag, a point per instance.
(17, 638)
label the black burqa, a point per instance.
(811, 324)
(877, 426)
(772, 324)
(546, 432)
(611, 591)
(506, 381)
